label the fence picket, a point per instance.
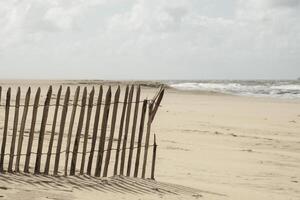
(61, 130)
(150, 108)
(22, 129)
(140, 137)
(156, 104)
(126, 130)
(95, 131)
(69, 137)
(153, 158)
(112, 131)
(87, 127)
(42, 132)
(136, 110)
(103, 133)
(32, 128)
(14, 134)
(48, 159)
(4, 137)
(121, 131)
(78, 133)
(152, 111)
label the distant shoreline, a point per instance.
(283, 89)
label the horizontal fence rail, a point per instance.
(99, 132)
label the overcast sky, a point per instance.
(150, 39)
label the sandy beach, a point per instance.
(242, 147)
(226, 147)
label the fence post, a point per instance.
(103, 132)
(112, 131)
(69, 137)
(140, 137)
(95, 131)
(78, 133)
(32, 127)
(61, 130)
(22, 128)
(42, 131)
(52, 131)
(7, 105)
(136, 110)
(87, 127)
(14, 134)
(126, 130)
(153, 158)
(121, 131)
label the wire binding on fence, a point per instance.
(70, 104)
(79, 152)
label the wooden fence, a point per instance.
(88, 132)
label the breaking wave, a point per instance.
(281, 89)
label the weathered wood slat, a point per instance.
(153, 158)
(32, 128)
(95, 131)
(147, 138)
(4, 137)
(69, 137)
(157, 103)
(152, 111)
(112, 131)
(78, 133)
(126, 131)
(42, 132)
(136, 110)
(157, 94)
(140, 137)
(121, 131)
(87, 127)
(48, 159)
(61, 130)
(15, 129)
(22, 129)
(103, 133)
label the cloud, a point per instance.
(284, 3)
(23, 20)
(192, 37)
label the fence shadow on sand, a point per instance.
(116, 184)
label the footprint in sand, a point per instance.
(177, 148)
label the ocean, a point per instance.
(289, 89)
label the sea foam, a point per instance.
(280, 89)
